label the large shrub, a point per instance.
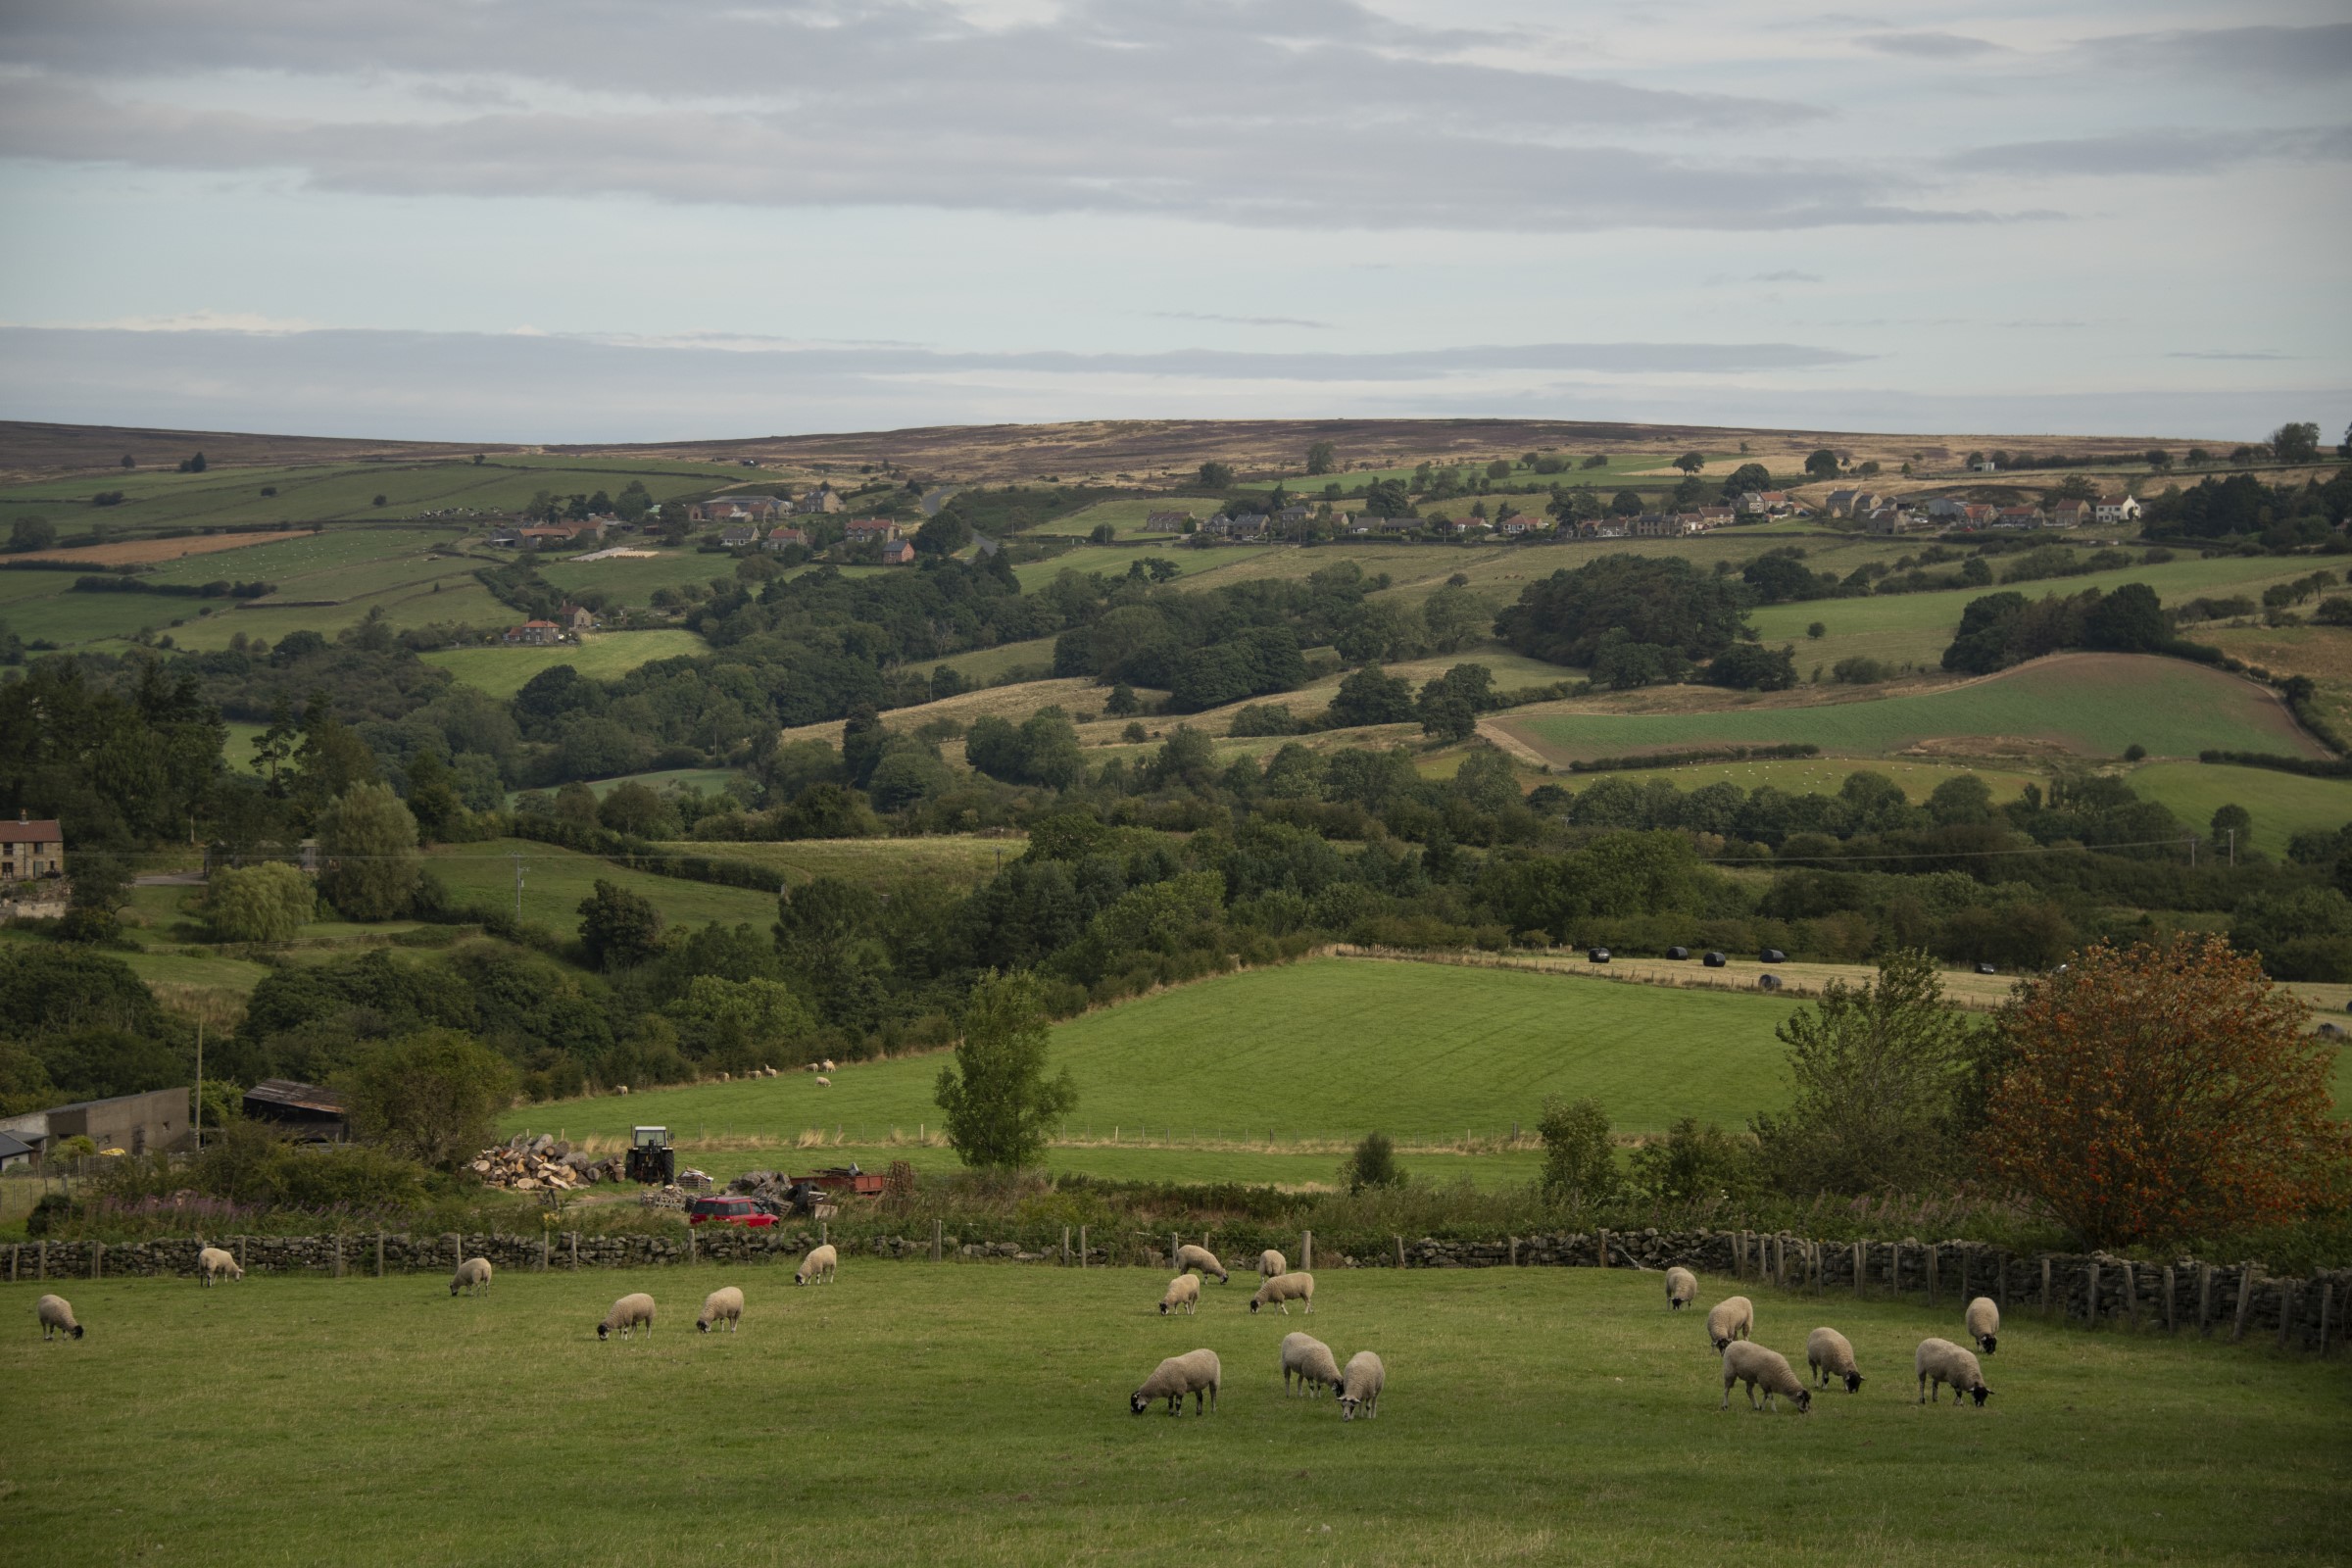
(267, 903)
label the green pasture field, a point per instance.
(555, 881)
(979, 1414)
(958, 858)
(710, 780)
(1326, 1049)
(327, 565)
(987, 663)
(225, 498)
(502, 671)
(1113, 560)
(455, 598)
(2091, 705)
(1126, 517)
(174, 967)
(2283, 804)
(1813, 775)
(633, 580)
(1916, 628)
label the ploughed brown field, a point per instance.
(147, 552)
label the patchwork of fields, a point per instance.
(606, 655)
(979, 1414)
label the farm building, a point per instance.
(1166, 521)
(784, 538)
(535, 634)
(2070, 513)
(579, 618)
(740, 535)
(16, 1153)
(737, 509)
(2116, 509)
(131, 1123)
(820, 500)
(870, 531)
(31, 849)
(305, 1110)
(898, 553)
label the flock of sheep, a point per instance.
(1830, 1354)
(1305, 1360)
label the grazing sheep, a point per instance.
(57, 1317)
(628, 1314)
(211, 1264)
(1732, 1318)
(1756, 1366)
(1284, 1289)
(823, 1082)
(817, 1265)
(1200, 1257)
(1941, 1361)
(1271, 1263)
(1984, 1323)
(1184, 1293)
(826, 1065)
(1681, 1286)
(1311, 1360)
(1196, 1372)
(722, 1306)
(1831, 1355)
(1360, 1384)
(473, 1274)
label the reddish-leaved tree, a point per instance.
(2162, 1093)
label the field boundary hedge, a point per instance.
(2089, 1288)
(2308, 767)
(1709, 754)
(643, 855)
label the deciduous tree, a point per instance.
(434, 1095)
(1001, 1106)
(2163, 1093)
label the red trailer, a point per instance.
(847, 1180)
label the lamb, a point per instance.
(1984, 1323)
(1270, 1264)
(1757, 1366)
(211, 1264)
(1284, 1289)
(1681, 1287)
(1183, 1293)
(628, 1314)
(1941, 1361)
(722, 1306)
(817, 1265)
(57, 1317)
(1200, 1257)
(1313, 1363)
(1196, 1372)
(1732, 1318)
(473, 1274)
(1361, 1384)
(1831, 1355)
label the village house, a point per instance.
(1985, 466)
(1166, 521)
(784, 538)
(1891, 521)
(740, 535)
(820, 500)
(868, 531)
(1715, 516)
(579, 618)
(535, 634)
(548, 537)
(31, 849)
(1293, 518)
(505, 538)
(1521, 522)
(1765, 502)
(1849, 503)
(737, 509)
(2018, 518)
(899, 553)
(2070, 513)
(2116, 509)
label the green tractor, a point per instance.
(651, 1157)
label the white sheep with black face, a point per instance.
(1311, 1363)
(1682, 1287)
(1983, 1318)
(819, 1265)
(1760, 1368)
(56, 1316)
(1197, 1373)
(1284, 1289)
(1941, 1361)
(473, 1276)
(628, 1314)
(1831, 1354)
(1732, 1318)
(211, 1264)
(722, 1306)
(1183, 1294)
(1360, 1382)
(1202, 1258)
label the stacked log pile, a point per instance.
(527, 1164)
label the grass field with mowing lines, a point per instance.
(605, 655)
(2283, 804)
(2091, 705)
(555, 881)
(978, 1414)
(1321, 1049)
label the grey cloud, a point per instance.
(2155, 152)
(1241, 320)
(1786, 275)
(2226, 354)
(2263, 55)
(1376, 168)
(1930, 45)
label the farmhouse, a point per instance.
(740, 535)
(1166, 521)
(505, 538)
(31, 849)
(16, 1153)
(305, 1111)
(820, 500)
(870, 531)
(899, 553)
(784, 539)
(2070, 513)
(535, 634)
(2018, 518)
(1291, 518)
(579, 618)
(737, 509)
(1766, 503)
(2116, 509)
(1891, 521)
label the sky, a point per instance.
(604, 221)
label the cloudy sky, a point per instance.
(602, 219)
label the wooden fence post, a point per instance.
(1400, 1251)
(1894, 1274)
(2326, 1310)
(97, 1260)
(1082, 1246)
(1306, 1250)
(935, 1229)
(44, 1260)
(1604, 1249)
(2131, 1295)
(338, 1255)
(1174, 1242)
(2091, 1305)
(1515, 1251)
(2171, 1323)
(1861, 1266)
(2286, 1311)
(572, 1240)
(379, 1255)
(240, 1251)
(2245, 1303)
(2046, 1287)
(15, 1249)
(547, 1244)
(1065, 1247)
(1933, 1250)
(2205, 1300)
(692, 1246)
